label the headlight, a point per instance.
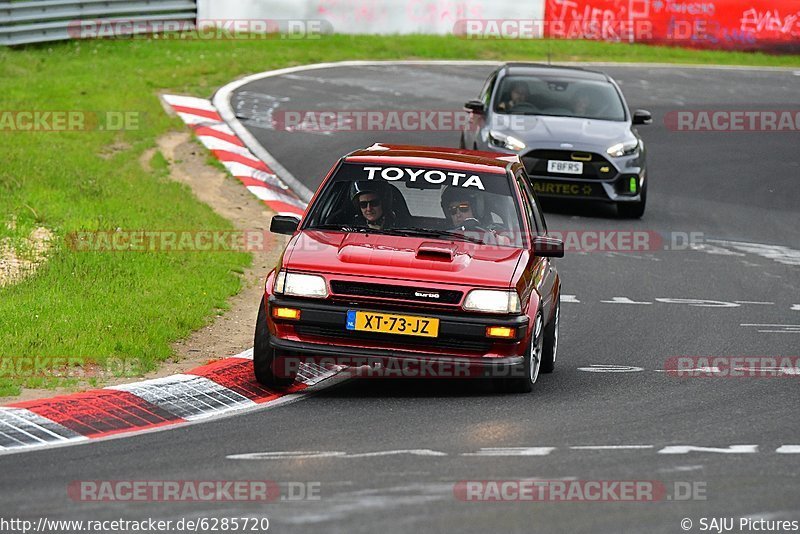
(301, 285)
(492, 301)
(506, 141)
(623, 149)
(280, 282)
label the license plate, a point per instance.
(565, 167)
(408, 325)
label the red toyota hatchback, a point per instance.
(415, 255)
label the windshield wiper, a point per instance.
(435, 233)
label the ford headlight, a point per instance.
(506, 141)
(492, 301)
(301, 285)
(623, 149)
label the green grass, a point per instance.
(102, 306)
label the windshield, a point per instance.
(563, 97)
(415, 201)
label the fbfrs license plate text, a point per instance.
(566, 167)
(392, 324)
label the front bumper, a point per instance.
(617, 190)
(321, 334)
(604, 179)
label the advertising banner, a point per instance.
(727, 24)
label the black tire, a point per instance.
(633, 210)
(533, 358)
(550, 350)
(264, 355)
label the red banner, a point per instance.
(728, 24)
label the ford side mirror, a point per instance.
(642, 116)
(475, 106)
(284, 224)
(548, 247)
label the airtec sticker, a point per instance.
(562, 189)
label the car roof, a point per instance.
(538, 69)
(454, 158)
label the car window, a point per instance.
(396, 197)
(488, 87)
(526, 202)
(559, 96)
(486, 93)
(536, 212)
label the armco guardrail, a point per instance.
(55, 20)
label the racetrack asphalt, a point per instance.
(731, 187)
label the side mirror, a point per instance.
(284, 224)
(475, 106)
(548, 247)
(642, 116)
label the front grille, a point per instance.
(444, 343)
(595, 166)
(360, 289)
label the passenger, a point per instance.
(580, 106)
(587, 102)
(461, 208)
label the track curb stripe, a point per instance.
(207, 131)
(202, 116)
(197, 112)
(100, 413)
(222, 387)
(228, 156)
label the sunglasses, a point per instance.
(375, 203)
(463, 208)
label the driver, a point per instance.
(372, 201)
(519, 95)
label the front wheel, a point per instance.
(264, 355)
(533, 360)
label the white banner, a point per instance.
(374, 16)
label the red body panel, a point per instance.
(396, 258)
(391, 259)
